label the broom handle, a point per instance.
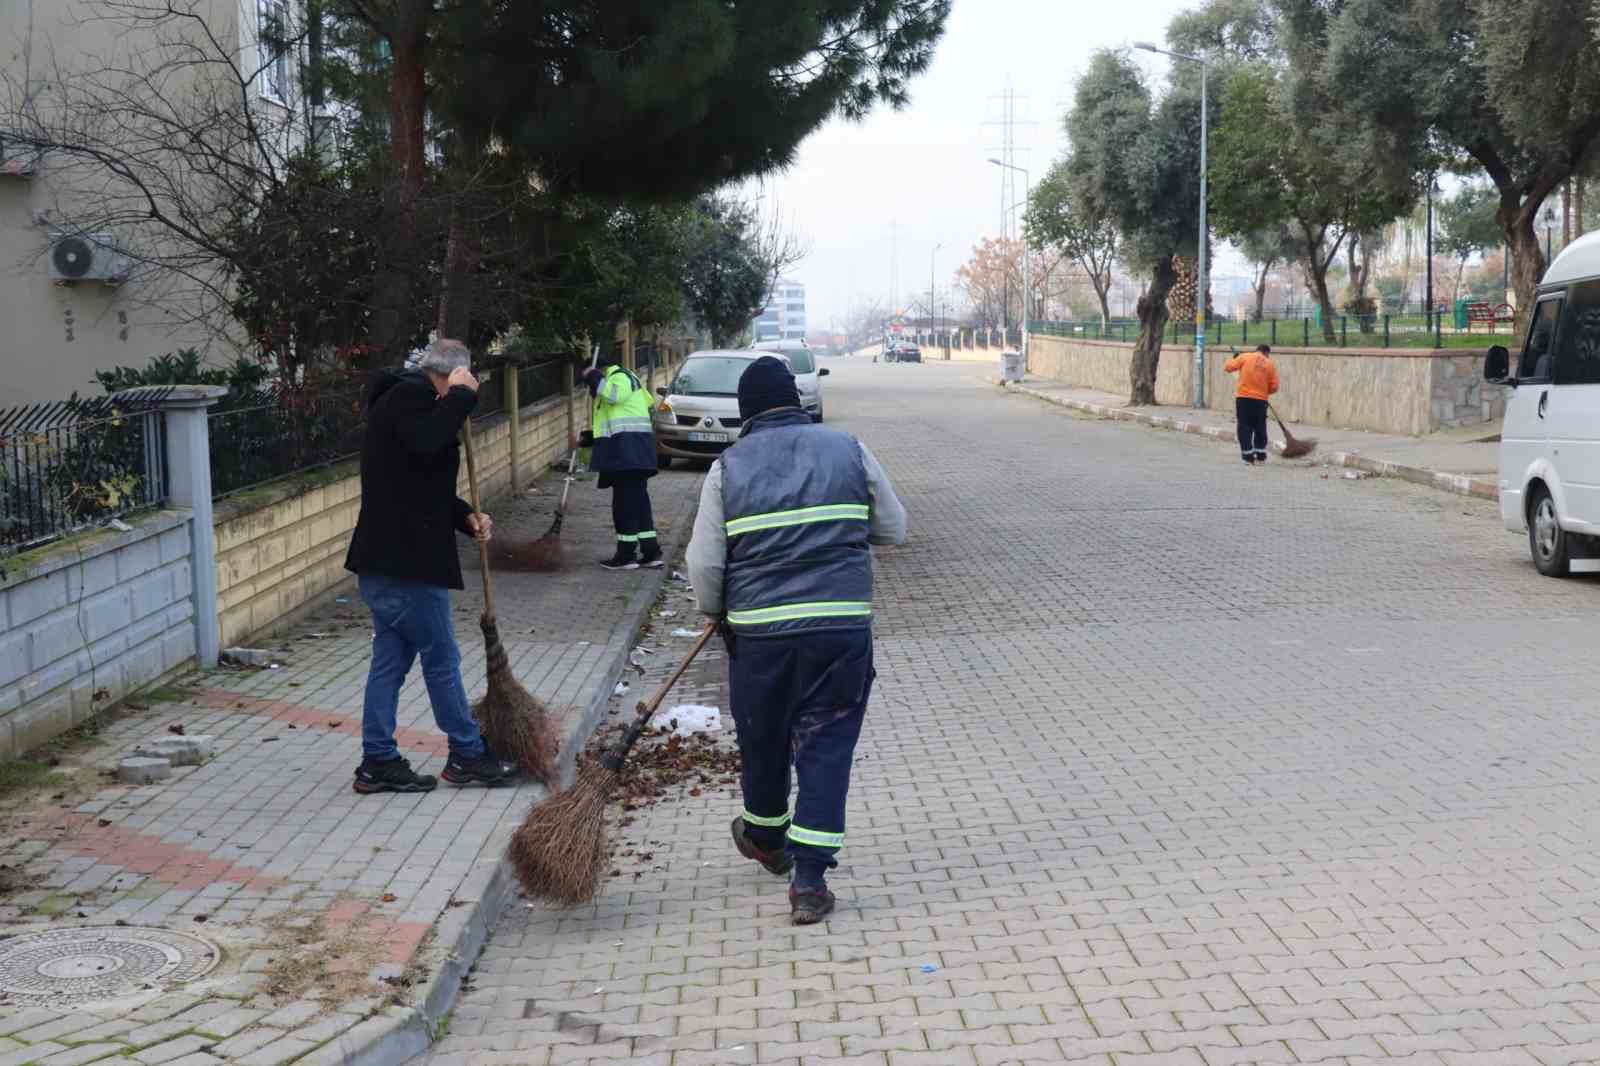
(614, 758)
(483, 545)
(572, 463)
(1286, 434)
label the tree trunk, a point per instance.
(1527, 264)
(1316, 269)
(1577, 206)
(1260, 288)
(455, 289)
(1103, 294)
(1152, 312)
(392, 285)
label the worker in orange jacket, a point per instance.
(1258, 380)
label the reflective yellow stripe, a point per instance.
(648, 534)
(815, 838)
(794, 611)
(610, 427)
(766, 823)
(833, 512)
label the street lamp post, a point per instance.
(1026, 277)
(932, 320)
(1427, 296)
(1201, 292)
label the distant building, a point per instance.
(784, 317)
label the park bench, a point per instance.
(1489, 315)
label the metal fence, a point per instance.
(540, 381)
(75, 464)
(1348, 331)
(280, 431)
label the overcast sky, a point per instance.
(924, 167)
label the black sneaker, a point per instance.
(620, 561)
(652, 560)
(778, 864)
(486, 770)
(391, 775)
(808, 906)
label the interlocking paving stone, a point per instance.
(1169, 760)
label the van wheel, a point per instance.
(1551, 545)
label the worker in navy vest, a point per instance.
(780, 557)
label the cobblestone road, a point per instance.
(1171, 761)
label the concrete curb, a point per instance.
(460, 933)
(1460, 484)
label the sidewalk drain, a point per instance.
(59, 967)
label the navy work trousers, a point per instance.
(799, 701)
(1252, 415)
(630, 510)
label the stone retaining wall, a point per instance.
(1395, 390)
(87, 621)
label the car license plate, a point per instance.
(709, 438)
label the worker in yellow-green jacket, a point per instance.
(623, 453)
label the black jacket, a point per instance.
(409, 464)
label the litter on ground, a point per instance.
(687, 719)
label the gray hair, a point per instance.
(441, 357)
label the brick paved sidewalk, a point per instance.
(343, 921)
(1460, 461)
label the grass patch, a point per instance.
(22, 775)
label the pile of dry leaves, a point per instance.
(664, 760)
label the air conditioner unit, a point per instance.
(87, 257)
(17, 160)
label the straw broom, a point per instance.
(516, 724)
(559, 851)
(546, 553)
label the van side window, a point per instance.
(1539, 352)
(1578, 347)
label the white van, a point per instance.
(1550, 444)
(807, 375)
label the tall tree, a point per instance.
(706, 91)
(1510, 84)
(1090, 241)
(1468, 225)
(1266, 248)
(1136, 161)
(1285, 152)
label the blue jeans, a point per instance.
(409, 619)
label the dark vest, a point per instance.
(796, 501)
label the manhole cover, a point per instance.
(67, 966)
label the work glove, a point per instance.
(592, 379)
(586, 439)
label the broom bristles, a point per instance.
(559, 851)
(1300, 446)
(535, 555)
(516, 723)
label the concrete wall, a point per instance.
(88, 621)
(1396, 390)
(282, 547)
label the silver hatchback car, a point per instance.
(697, 416)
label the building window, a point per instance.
(273, 35)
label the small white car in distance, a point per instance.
(1550, 443)
(807, 375)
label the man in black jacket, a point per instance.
(404, 551)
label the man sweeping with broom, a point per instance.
(404, 552)
(1258, 380)
(780, 555)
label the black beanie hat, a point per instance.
(764, 385)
